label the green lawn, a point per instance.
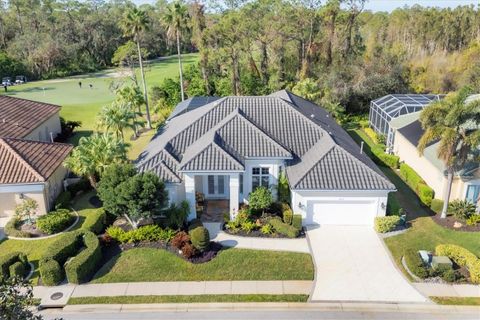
(464, 301)
(146, 264)
(191, 299)
(424, 233)
(84, 104)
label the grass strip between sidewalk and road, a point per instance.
(459, 301)
(190, 299)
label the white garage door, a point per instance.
(345, 212)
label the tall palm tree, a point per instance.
(117, 117)
(94, 153)
(134, 23)
(132, 96)
(454, 123)
(176, 19)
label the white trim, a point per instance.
(22, 188)
(212, 172)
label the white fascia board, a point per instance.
(22, 187)
(212, 172)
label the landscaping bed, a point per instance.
(450, 222)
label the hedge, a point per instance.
(437, 205)
(462, 257)
(55, 221)
(283, 228)
(83, 266)
(17, 270)
(386, 224)
(415, 264)
(145, 233)
(12, 231)
(51, 272)
(9, 259)
(383, 158)
(424, 192)
(297, 221)
(371, 134)
(63, 200)
(95, 221)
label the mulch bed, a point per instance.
(449, 221)
(32, 230)
(113, 249)
(259, 234)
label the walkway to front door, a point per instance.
(214, 210)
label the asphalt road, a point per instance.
(292, 314)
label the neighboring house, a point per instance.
(30, 169)
(226, 148)
(408, 131)
(30, 120)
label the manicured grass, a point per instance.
(191, 299)
(147, 264)
(463, 301)
(85, 103)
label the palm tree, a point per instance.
(132, 96)
(454, 122)
(117, 117)
(176, 19)
(134, 23)
(94, 153)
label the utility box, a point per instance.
(441, 262)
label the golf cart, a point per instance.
(7, 81)
(20, 79)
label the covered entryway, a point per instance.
(341, 212)
(352, 264)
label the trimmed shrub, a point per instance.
(393, 207)
(195, 223)
(145, 233)
(371, 134)
(9, 259)
(82, 266)
(17, 270)
(63, 200)
(11, 229)
(384, 159)
(437, 205)
(424, 192)
(51, 272)
(288, 216)
(462, 257)
(95, 221)
(55, 221)
(415, 264)
(297, 221)
(200, 238)
(283, 228)
(386, 224)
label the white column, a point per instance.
(234, 194)
(190, 194)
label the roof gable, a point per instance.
(212, 158)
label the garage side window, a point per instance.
(260, 177)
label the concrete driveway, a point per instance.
(352, 264)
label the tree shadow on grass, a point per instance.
(79, 134)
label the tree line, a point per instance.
(333, 51)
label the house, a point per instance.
(30, 169)
(408, 131)
(226, 148)
(30, 120)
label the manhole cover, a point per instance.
(56, 296)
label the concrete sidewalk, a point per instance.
(273, 244)
(448, 290)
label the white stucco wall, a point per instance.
(42, 132)
(176, 192)
(274, 170)
(10, 197)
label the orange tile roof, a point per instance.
(25, 161)
(18, 117)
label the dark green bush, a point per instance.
(200, 238)
(384, 159)
(81, 268)
(393, 206)
(288, 216)
(64, 247)
(63, 200)
(177, 215)
(81, 185)
(415, 264)
(55, 221)
(95, 221)
(297, 221)
(11, 229)
(283, 228)
(51, 272)
(9, 259)
(194, 224)
(17, 270)
(146, 233)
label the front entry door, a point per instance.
(216, 186)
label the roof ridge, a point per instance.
(21, 159)
(316, 162)
(36, 141)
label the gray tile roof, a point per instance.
(222, 134)
(190, 104)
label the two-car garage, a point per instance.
(339, 208)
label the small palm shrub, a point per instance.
(461, 209)
(473, 220)
(248, 226)
(267, 229)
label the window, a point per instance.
(211, 184)
(473, 193)
(260, 177)
(240, 178)
(221, 184)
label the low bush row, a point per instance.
(462, 257)
(386, 224)
(283, 228)
(145, 233)
(424, 192)
(384, 159)
(371, 134)
(55, 221)
(13, 264)
(80, 268)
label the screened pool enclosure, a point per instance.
(384, 109)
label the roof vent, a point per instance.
(312, 116)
